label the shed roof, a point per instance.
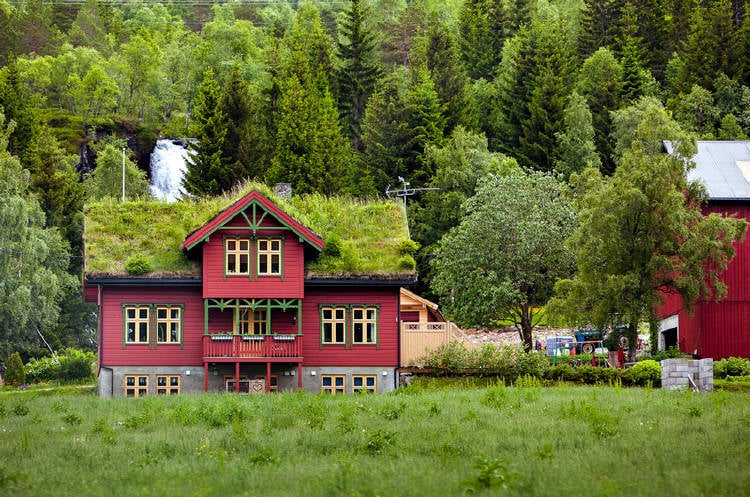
(723, 167)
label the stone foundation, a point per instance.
(676, 374)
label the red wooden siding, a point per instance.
(385, 354)
(112, 351)
(290, 285)
(719, 329)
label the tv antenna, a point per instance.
(404, 192)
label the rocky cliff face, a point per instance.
(140, 143)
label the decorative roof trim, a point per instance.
(252, 200)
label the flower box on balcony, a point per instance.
(253, 338)
(221, 338)
(285, 338)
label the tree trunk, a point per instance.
(526, 328)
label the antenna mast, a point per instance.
(404, 192)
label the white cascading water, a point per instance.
(168, 166)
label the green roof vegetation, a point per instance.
(364, 238)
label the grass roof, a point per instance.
(371, 235)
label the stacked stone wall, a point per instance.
(676, 374)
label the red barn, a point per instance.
(246, 299)
(717, 329)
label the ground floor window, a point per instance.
(364, 383)
(167, 384)
(333, 383)
(136, 385)
(274, 381)
(229, 383)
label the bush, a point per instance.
(670, 353)
(506, 362)
(407, 262)
(561, 372)
(75, 365)
(407, 247)
(643, 373)
(42, 369)
(734, 366)
(138, 264)
(14, 374)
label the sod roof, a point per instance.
(371, 235)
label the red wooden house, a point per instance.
(717, 329)
(246, 301)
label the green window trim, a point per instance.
(265, 304)
(152, 322)
(349, 325)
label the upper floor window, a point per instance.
(237, 256)
(168, 324)
(238, 252)
(137, 320)
(269, 257)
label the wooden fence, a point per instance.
(417, 338)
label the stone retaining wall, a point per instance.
(675, 374)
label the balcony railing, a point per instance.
(250, 346)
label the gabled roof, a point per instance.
(723, 167)
(253, 207)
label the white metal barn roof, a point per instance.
(723, 167)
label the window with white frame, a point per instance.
(168, 324)
(137, 323)
(269, 257)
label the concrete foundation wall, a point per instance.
(312, 382)
(676, 374)
(112, 379)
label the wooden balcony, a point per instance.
(251, 347)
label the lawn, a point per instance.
(420, 441)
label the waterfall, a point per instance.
(168, 166)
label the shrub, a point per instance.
(561, 372)
(138, 264)
(671, 353)
(14, 374)
(407, 247)
(733, 366)
(76, 365)
(407, 262)
(42, 369)
(643, 373)
(332, 248)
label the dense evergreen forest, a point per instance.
(337, 97)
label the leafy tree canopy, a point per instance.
(504, 258)
(642, 233)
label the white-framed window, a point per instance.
(168, 324)
(137, 323)
(269, 256)
(237, 256)
(364, 325)
(333, 324)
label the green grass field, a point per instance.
(420, 441)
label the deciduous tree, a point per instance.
(642, 233)
(504, 258)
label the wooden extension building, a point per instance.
(244, 297)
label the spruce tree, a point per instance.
(357, 69)
(206, 173)
(447, 73)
